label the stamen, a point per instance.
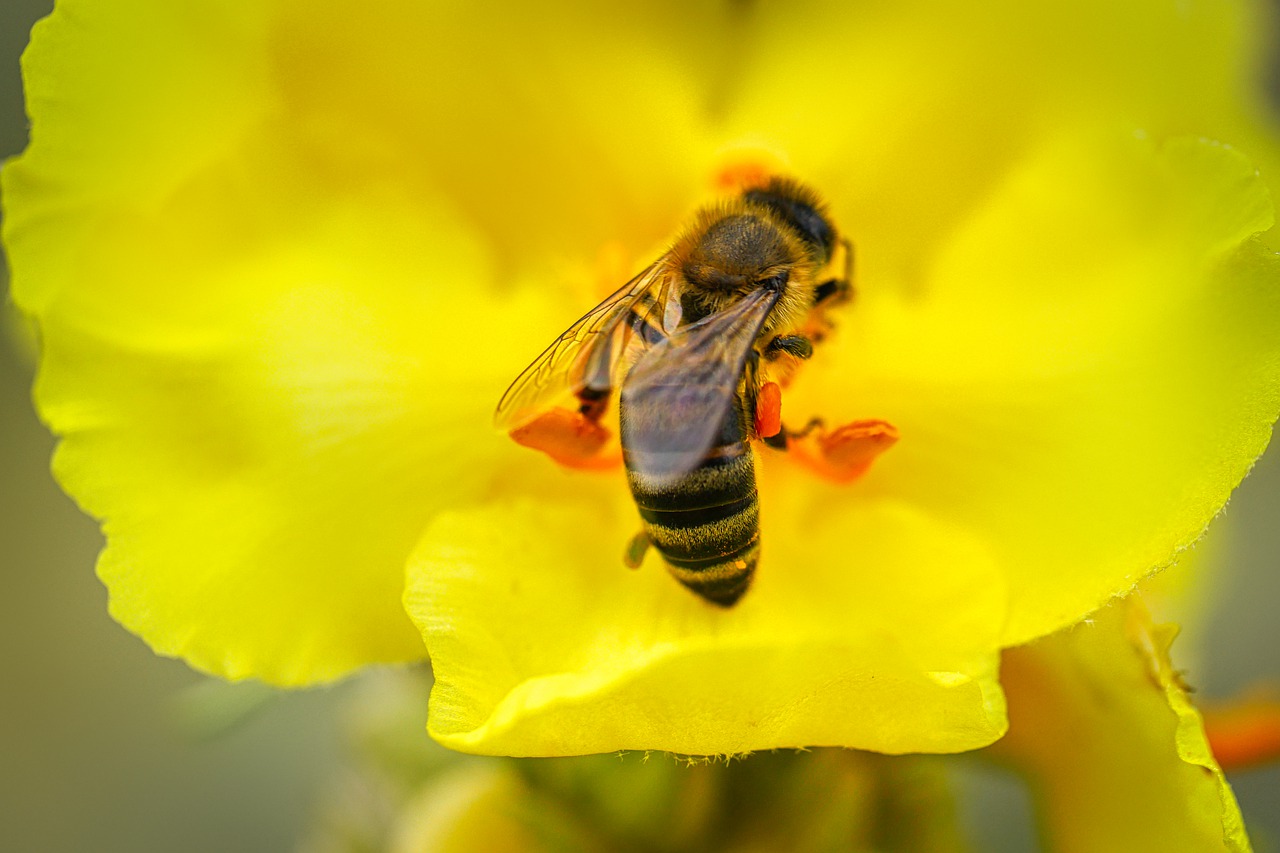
(747, 168)
(570, 438)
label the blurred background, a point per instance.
(105, 747)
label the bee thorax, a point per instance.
(734, 253)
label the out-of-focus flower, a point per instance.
(1101, 725)
(285, 258)
(831, 801)
(404, 793)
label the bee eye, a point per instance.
(776, 282)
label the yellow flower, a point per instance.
(285, 259)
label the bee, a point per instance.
(687, 341)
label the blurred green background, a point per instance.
(105, 747)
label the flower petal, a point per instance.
(272, 330)
(906, 114)
(265, 454)
(1101, 722)
(529, 120)
(1091, 368)
(874, 631)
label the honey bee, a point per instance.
(688, 341)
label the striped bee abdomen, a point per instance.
(705, 523)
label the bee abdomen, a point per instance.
(697, 534)
(721, 580)
(706, 525)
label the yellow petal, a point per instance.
(265, 448)
(529, 120)
(1089, 371)
(907, 114)
(874, 631)
(110, 135)
(1100, 721)
(272, 327)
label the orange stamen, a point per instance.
(846, 453)
(569, 438)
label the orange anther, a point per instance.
(769, 410)
(569, 438)
(847, 452)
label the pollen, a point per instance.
(746, 169)
(769, 410)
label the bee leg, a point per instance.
(572, 439)
(834, 291)
(636, 549)
(840, 455)
(829, 292)
(785, 439)
(795, 345)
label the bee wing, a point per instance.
(581, 360)
(677, 395)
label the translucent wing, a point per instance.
(580, 362)
(676, 397)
